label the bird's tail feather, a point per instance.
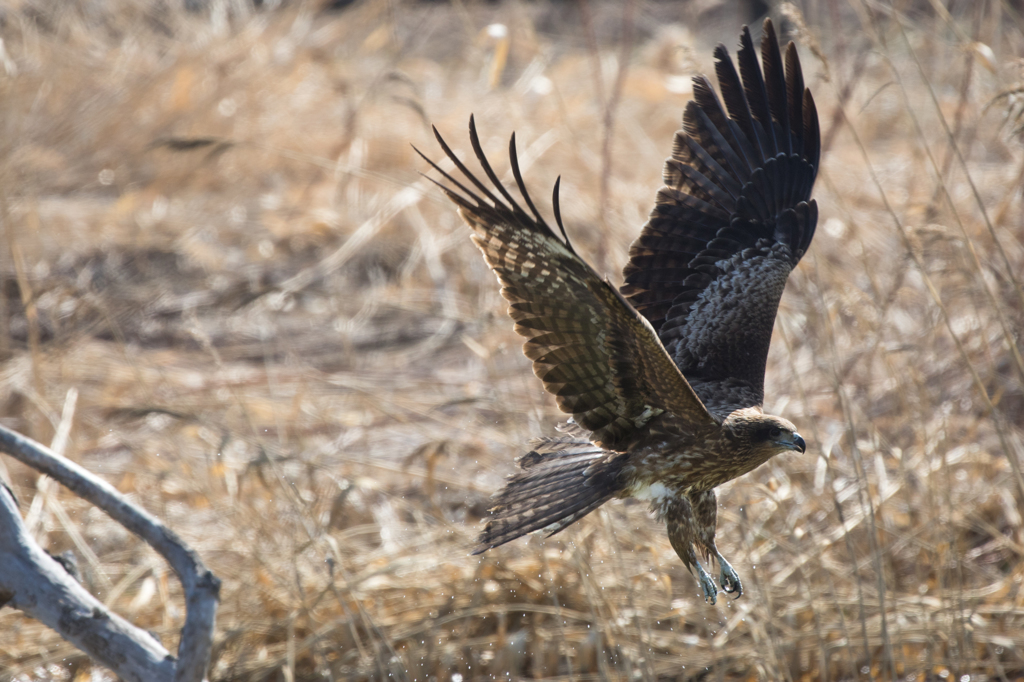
(562, 480)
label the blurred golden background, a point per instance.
(227, 290)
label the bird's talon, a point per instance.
(730, 580)
(709, 587)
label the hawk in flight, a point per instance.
(664, 378)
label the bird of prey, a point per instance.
(664, 378)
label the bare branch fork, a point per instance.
(32, 581)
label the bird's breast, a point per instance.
(664, 468)
(674, 459)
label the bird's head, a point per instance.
(762, 436)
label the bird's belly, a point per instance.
(657, 474)
(657, 494)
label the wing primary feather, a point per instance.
(474, 140)
(724, 178)
(757, 94)
(812, 140)
(514, 160)
(447, 176)
(735, 99)
(711, 188)
(795, 97)
(697, 122)
(775, 82)
(558, 213)
(465, 171)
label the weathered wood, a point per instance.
(34, 582)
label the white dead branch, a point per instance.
(32, 581)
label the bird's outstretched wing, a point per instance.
(731, 222)
(593, 351)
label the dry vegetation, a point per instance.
(223, 272)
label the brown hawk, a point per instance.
(665, 379)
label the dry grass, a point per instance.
(282, 341)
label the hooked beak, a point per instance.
(798, 443)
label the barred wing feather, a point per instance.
(601, 359)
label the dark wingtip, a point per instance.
(478, 149)
(558, 213)
(460, 200)
(812, 145)
(444, 145)
(513, 156)
(437, 135)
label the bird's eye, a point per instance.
(775, 432)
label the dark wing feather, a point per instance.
(732, 221)
(601, 359)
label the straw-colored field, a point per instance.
(221, 267)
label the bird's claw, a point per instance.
(729, 579)
(708, 585)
